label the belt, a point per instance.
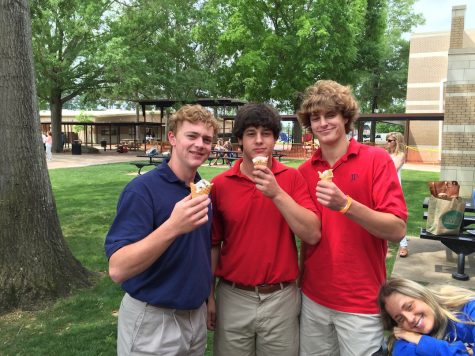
(261, 288)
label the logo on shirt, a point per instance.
(354, 177)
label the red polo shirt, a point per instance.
(257, 243)
(346, 269)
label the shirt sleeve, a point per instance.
(429, 346)
(387, 192)
(133, 221)
(302, 195)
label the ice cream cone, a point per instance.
(326, 176)
(200, 188)
(260, 161)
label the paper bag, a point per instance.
(445, 216)
(444, 189)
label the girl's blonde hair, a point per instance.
(400, 145)
(446, 303)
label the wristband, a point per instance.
(347, 205)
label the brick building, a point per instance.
(441, 78)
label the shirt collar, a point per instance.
(353, 150)
(165, 171)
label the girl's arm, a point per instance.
(409, 343)
(399, 161)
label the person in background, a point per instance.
(395, 147)
(257, 209)
(426, 322)
(361, 208)
(49, 145)
(219, 148)
(228, 147)
(159, 247)
(44, 137)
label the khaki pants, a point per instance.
(248, 323)
(147, 330)
(327, 332)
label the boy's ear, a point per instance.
(171, 138)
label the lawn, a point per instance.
(85, 322)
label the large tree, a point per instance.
(70, 40)
(35, 262)
(384, 55)
(156, 53)
(272, 50)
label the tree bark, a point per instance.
(36, 264)
(56, 107)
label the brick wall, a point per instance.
(458, 133)
(456, 32)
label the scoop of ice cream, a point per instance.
(260, 161)
(326, 175)
(200, 188)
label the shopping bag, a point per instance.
(151, 152)
(444, 189)
(445, 216)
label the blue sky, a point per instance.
(438, 14)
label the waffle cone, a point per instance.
(260, 161)
(203, 191)
(326, 176)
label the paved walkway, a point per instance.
(68, 160)
(431, 263)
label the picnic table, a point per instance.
(462, 244)
(228, 157)
(154, 160)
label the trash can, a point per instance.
(104, 144)
(76, 147)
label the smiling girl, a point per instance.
(425, 322)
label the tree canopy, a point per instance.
(257, 50)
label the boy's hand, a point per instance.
(265, 181)
(189, 213)
(329, 195)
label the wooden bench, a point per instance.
(462, 244)
(142, 164)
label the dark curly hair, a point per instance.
(257, 115)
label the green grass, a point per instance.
(414, 184)
(85, 323)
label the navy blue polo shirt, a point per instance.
(181, 277)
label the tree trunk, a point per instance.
(56, 108)
(36, 264)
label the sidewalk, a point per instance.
(428, 264)
(68, 160)
(427, 167)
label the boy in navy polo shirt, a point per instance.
(256, 212)
(159, 247)
(361, 209)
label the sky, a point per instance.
(438, 14)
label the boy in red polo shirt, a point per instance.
(256, 211)
(361, 209)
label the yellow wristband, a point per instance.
(347, 205)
